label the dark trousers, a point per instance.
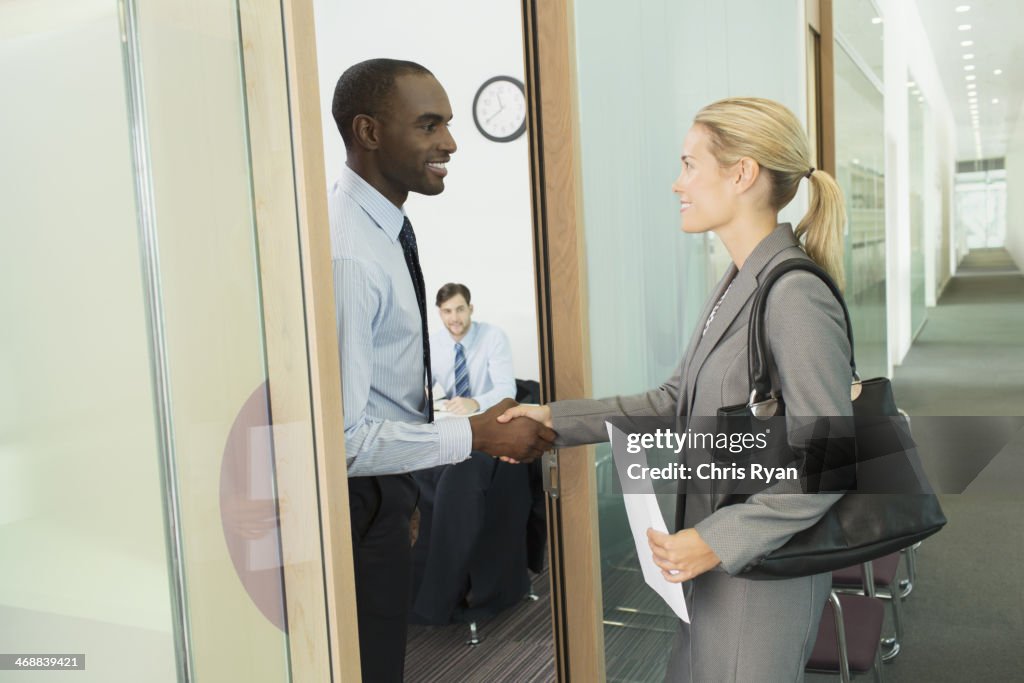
(380, 510)
(470, 558)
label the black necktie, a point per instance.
(412, 259)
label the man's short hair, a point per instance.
(364, 88)
(449, 290)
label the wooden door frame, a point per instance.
(303, 368)
(564, 332)
(821, 84)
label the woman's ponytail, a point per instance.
(822, 227)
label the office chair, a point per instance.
(849, 635)
(850, 580)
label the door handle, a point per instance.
(549, 468)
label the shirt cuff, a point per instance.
(456, 439)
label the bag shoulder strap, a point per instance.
(757, 358)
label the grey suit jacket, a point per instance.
(807, 339)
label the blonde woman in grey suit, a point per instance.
(742, 161)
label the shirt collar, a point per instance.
(470, 337)
(386, 215)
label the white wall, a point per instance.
(907, 49)
(1014, 194)
(478, 231)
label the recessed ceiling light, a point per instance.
(876, 20)
(968, 56)
(963, 27)
(995, 100)
(970, 77)
(968, 67)
(966, 43)
(910, 84)
(856, 161)
(963, 8)
(920, 99)
(997, 72)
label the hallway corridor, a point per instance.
(966, 613)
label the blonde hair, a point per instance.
(771, 135)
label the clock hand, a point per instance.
(494, 114)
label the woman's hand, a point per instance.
(681, 556)
(540, 414)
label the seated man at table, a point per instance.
(472, 362)
(470, 557)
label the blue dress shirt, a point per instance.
(380, 341)
(488, 359)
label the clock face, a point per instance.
(499, 109)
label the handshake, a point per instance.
(513, 432)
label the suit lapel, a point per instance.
(695, 339)
(744, 285)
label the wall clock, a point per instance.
(499, 109)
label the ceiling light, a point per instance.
(920, 99)
(968, 67)
(910, 84)
(968, 56)
(966, 43)
(995, 100)
(970, 77)
(997, 72)
(963, 27)
(856, 161)
(876, 20)
(962, 8)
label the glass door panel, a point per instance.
(83, 533)
(139, 464)
(860, 171)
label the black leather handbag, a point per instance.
(859, 527)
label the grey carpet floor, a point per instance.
(964, 621)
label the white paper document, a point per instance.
(643, 513)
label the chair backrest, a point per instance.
(527, 391)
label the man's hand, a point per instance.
(682, 555)
(461, 405)
(522, 440)
(541, 414)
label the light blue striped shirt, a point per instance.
(380, 341)
(488, 360)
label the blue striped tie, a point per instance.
(461, 372)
